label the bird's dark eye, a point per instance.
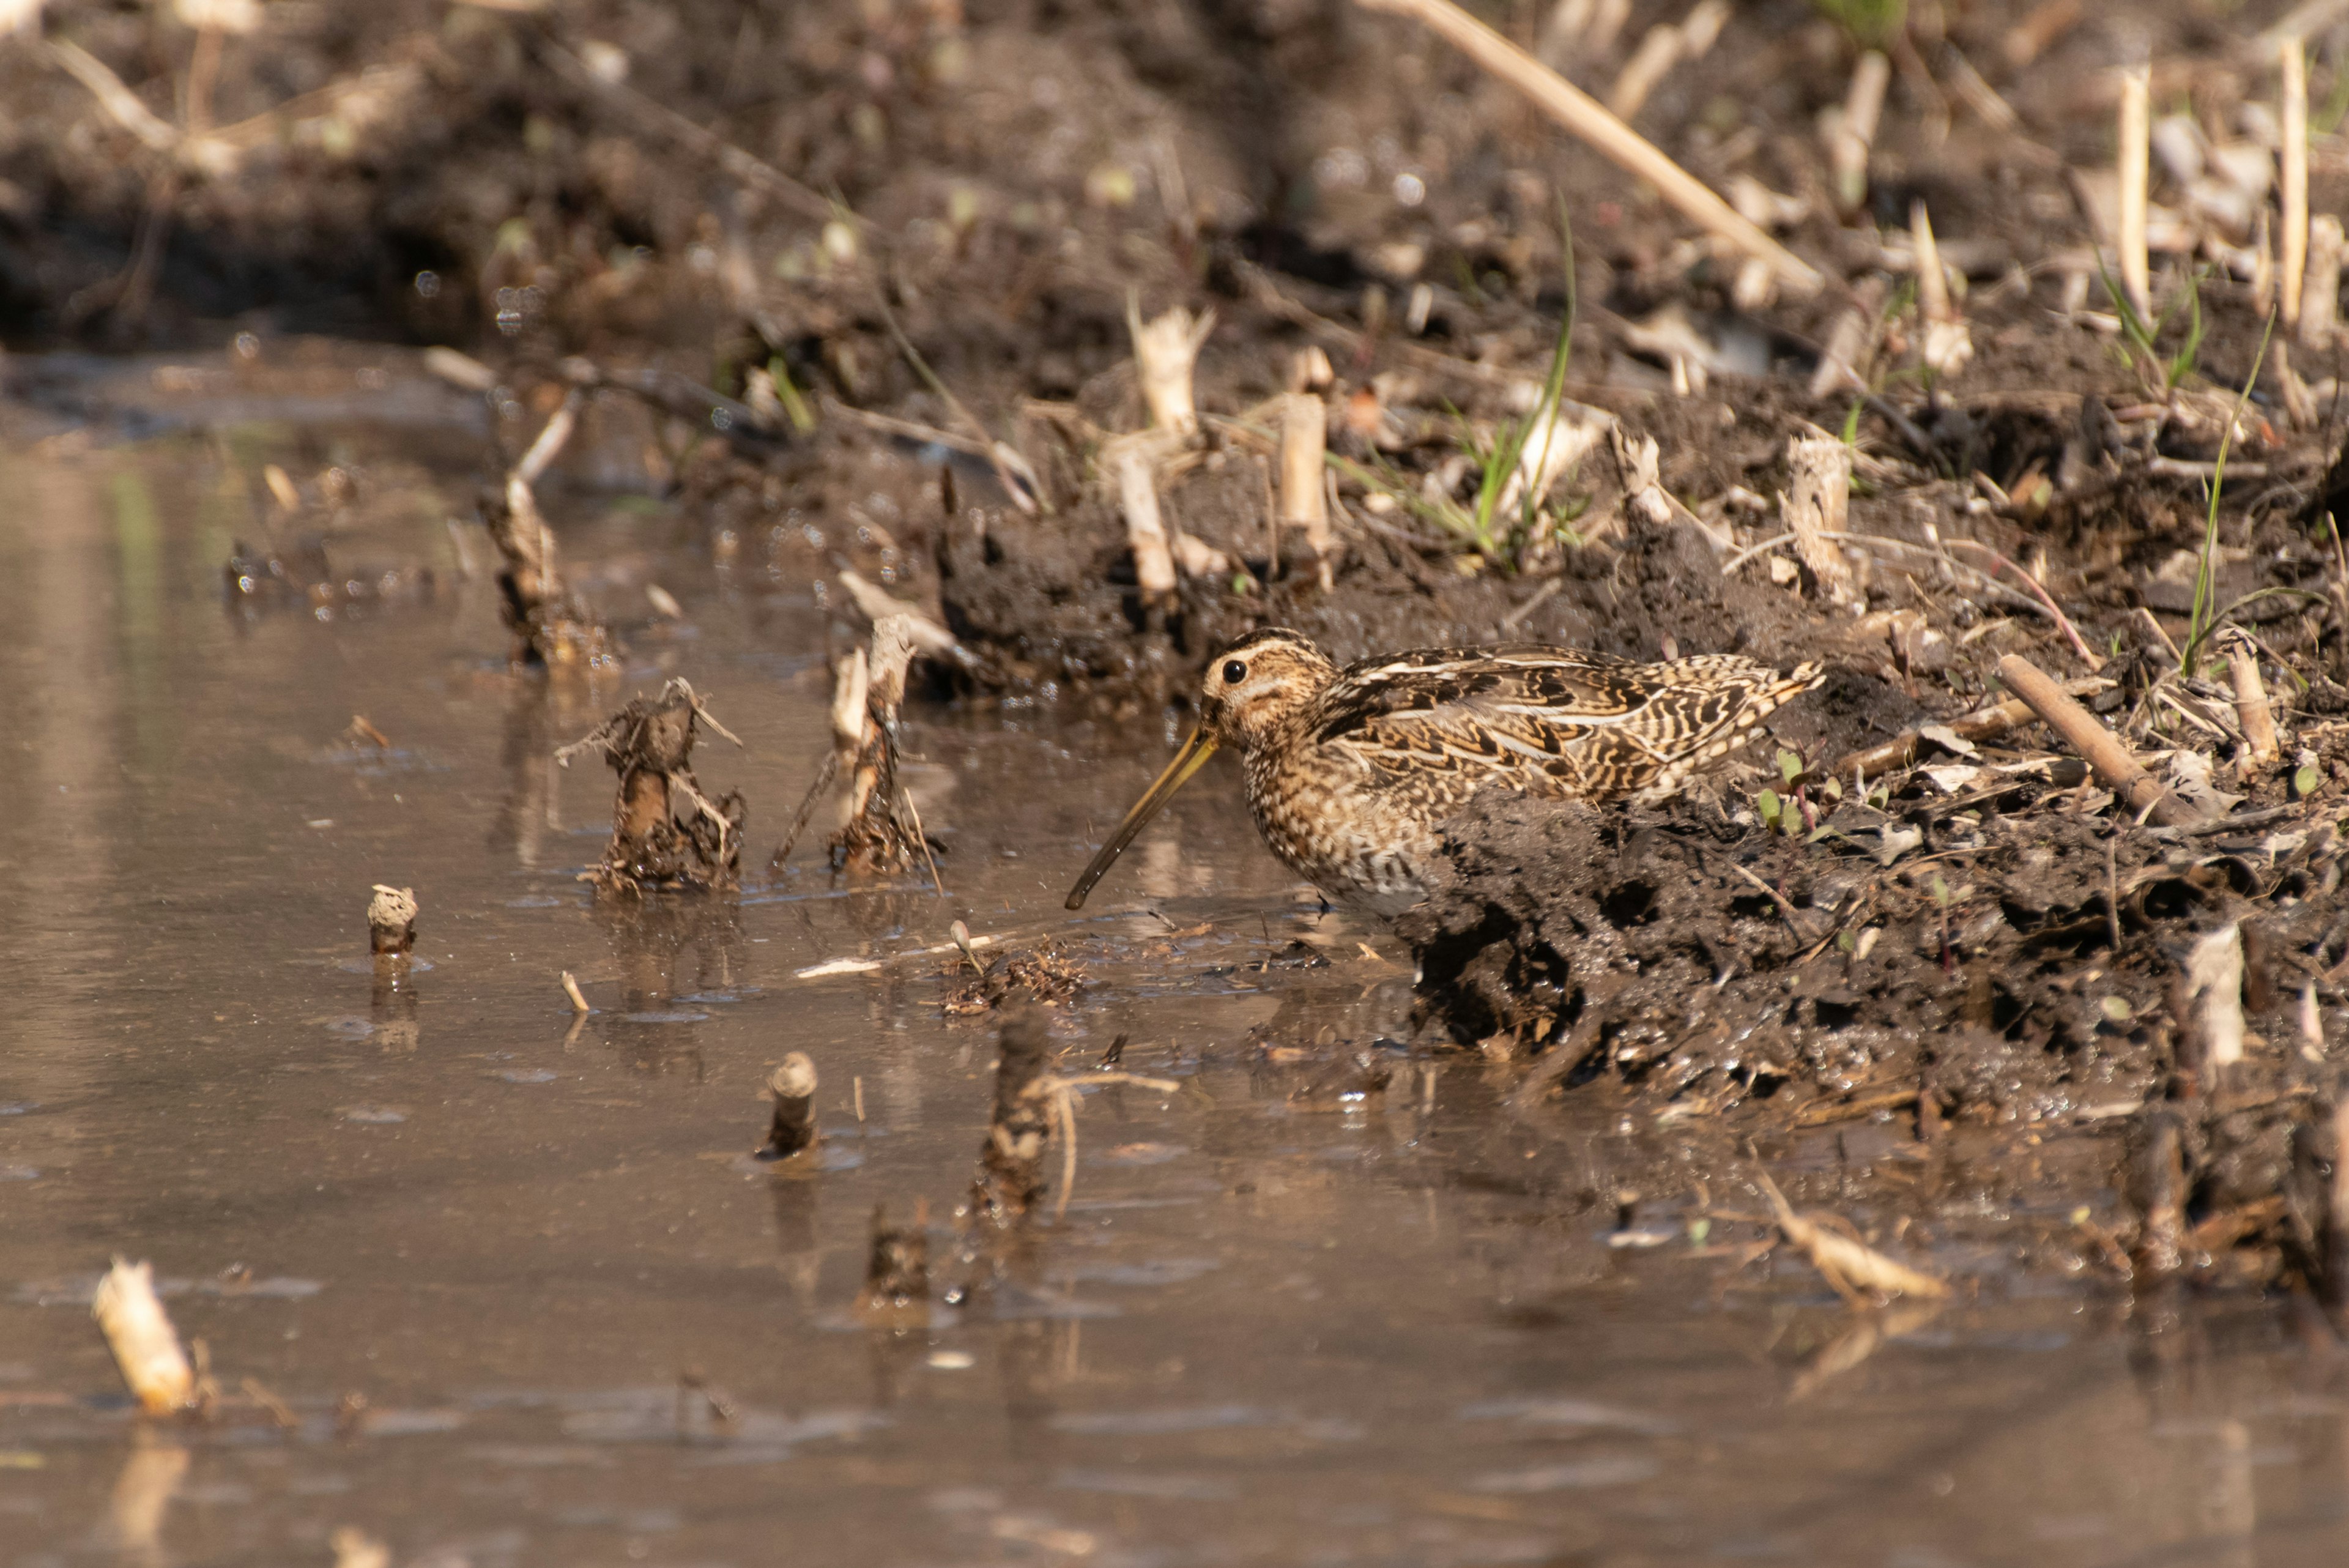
(1234, 671)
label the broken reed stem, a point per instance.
(2135, 160)
(1009, 1181)
(391, 920)
(1146, 530)
(1304, 497)
(1853, 1267)
(571, 989)
(792, 1085)
(145, 1346)
(2139, 791)
(2293, 239)
(896, 1291)
(1948, 345)
(2214, 998)
(876, 678)
(1854, 130)
(1166, 352)
(2252, 709)
(1817, 500)
(1587, 118)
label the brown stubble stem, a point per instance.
(2139, 791)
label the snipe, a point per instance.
(1352, 772)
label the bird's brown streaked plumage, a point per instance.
(1352, 772)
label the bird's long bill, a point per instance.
(1195, 751)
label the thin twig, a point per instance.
(923, 840)
(1588, 119)
(2040, 592)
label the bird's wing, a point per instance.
(1552, 721)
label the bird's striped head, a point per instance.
(1255, 686)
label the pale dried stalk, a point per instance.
(1658, 52)
(878, 605)
(2320, 299)
(2139, 791)
(2293, 240)
(1146, 530)
(2214, 990)
(2252, 709)
(883, 667)
(1853, 1267)
(849, 681)
(145, 1346)
(2311, 1024)
(571, 989)
(2136, 156)
(1198, 558)
(1304, 498)
(1165, 351)
(1817, 499)
(1560, 441)
(1588, 118)
(1852, 132)
(1948, 344)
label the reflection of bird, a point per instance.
(1352, 772)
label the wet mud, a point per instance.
(789, 366)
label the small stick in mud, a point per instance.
(2292, 239)
(1816, 501)
(1587, 118)
(2252, 709)
(1304, 498)
(1011, 1160)
(1852, 134)
(896, 1291)
(665, 832)
(1853, 1267)
(391, 921)
(792, 1085)
(2139, 791)
(1165, 351)
(570, 989)
(145, 1346)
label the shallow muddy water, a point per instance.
(1271, 1328)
